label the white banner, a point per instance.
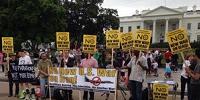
(88, 79)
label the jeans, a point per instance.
(135, 90)
(85, 95)
(43, 82)
(67, 94)
(185, 81)
(11, 88)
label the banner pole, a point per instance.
(112, 57)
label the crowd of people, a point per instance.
(139, 64)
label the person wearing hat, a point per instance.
(12, 62)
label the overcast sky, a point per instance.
(128, 7)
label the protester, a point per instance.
(168, 70)
(24, 60)
(13, 62)
(159, 59)
(174, 62)
(155, 68)
(118, 61)
(88, 61)
(185, 79)
(138, 66)
(42, 66)
(78, 56)
(68, 61)
(194, 72)
(96, 55)
(168, 56)
(149, 61)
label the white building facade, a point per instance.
(162, 20)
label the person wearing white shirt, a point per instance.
(24, 60)
(185, 79)
(138, 65)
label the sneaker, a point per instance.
(32, 97)
(22, 94)
(27, 97)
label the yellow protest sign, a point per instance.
(62, 41)
(89, 43)
(160, 91)
(127, 41)
(178, 40)
(7, 44)
(112, 39)
(142, 39)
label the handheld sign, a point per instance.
(62, 41)
(178, 41)
(89, 43)
(23, 73)
(7, 44)
(127, 41)
(142, 39)
(112, 39)
(160, 91)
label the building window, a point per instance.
(138, 27)
(198, 37)
(129, 29)
(198, 26)
(121, 29)
(189, 26)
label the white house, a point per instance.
(162, 20)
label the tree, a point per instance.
(88, 17)
(35, 20)
(39, 20)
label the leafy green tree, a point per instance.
(35, 20)
(39, 20)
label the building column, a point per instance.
(180, 23)
(166, 29)
(142, 24)
(154, 32)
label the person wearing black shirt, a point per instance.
(13, 61)
(194, 73)
(68, 61)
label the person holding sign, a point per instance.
(87, 62)
(195, 77)
(138, 65)
(185, 79)
(24, 60)
(43, 65)
(13, 62)
(68, 61)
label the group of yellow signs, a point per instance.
(138, 40)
